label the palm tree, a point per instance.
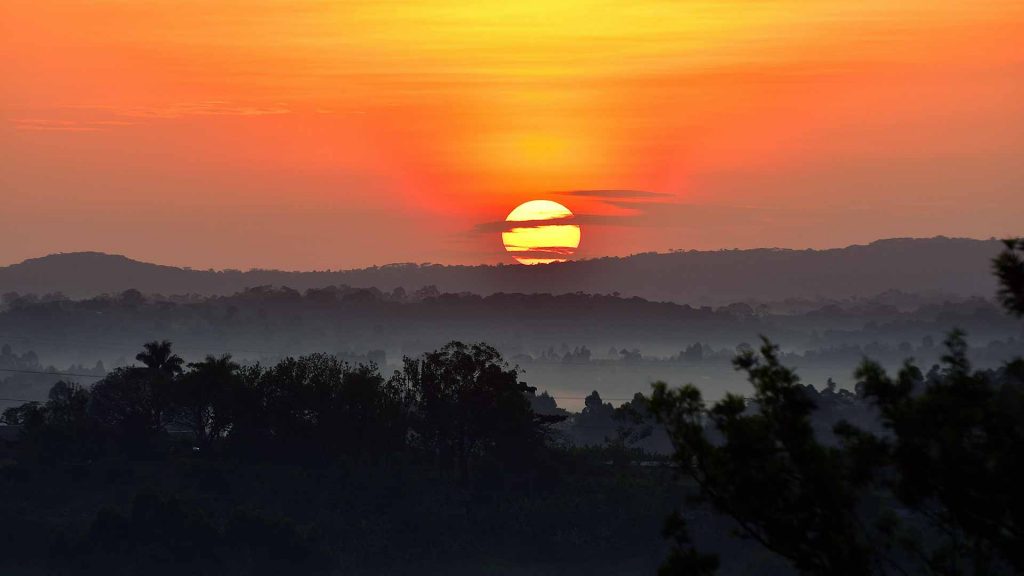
(157, 356)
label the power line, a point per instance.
(122, 346)
(571, 427)
(98, 376)
(72, 374)
(190, 346)
(624, 399)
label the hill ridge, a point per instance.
(958, 266)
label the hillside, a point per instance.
(936, 265)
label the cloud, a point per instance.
(615, 194)
(183, 109)
(104, 116)
(577, 219)
(207, 108)
(51, 125)
(647, 214)
(676, 214)
(541, 251)
(505, 226)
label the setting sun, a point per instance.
(531, 240)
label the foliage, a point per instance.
(950, 455)
(784, 489)
(60, 428)
(319, 406)
(458, 415)
(1009, 268)
(157, 357)
(462, 405)
(470, 405)
(130, 405)
(955, 445)
(205, 398)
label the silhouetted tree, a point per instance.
(60, 428)
(632, 425)
(545, 404)
(204, 398)
(578, 355)
(596, 423)
(633, 355)
(955, 439)
(955, 442)
(130, 405)
(784, 489)
(317, 405)
(469, 405)
(289, 402)
(693, 353)
(368, 414)
(158, 357)
(1009, 267)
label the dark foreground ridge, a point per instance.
(955, 266)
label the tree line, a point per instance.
(462, 407)
(311, 465)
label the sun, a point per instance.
(530, 239)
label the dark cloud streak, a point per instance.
(646, 214)
(544, 252)
(614, 194)
(505, 226)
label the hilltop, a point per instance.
(954, 266)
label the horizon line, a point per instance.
(568, 262)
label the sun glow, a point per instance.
(533, 241)
(414, 122)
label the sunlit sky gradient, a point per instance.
(305, 134)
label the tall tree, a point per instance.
(471, 405)
(130, 406)
(204, 397)
(60, 428)
(157, 356)
(318, 406)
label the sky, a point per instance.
(314, 134)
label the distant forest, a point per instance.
(283, 320)
(569, 344)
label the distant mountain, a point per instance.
(953, 266)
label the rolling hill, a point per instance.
(954, 266)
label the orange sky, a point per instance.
(322, 134)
